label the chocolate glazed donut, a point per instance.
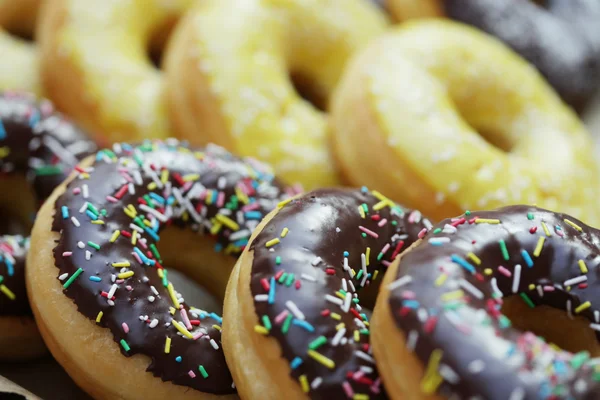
(445, 296)
(561, 38)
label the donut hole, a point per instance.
(17, 201)
(309, 90)
(554, 325)
(20, 33)
(496, 139)
(158, 40)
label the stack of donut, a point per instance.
(399, 117)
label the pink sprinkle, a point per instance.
(221, 199)
(282, 315)
(111, 199)
(126, 176)
(119, 281)
(376, 385)
(191, 374)
(143, 244)
(125, 327)
(408, 294)
(76, 190)
(358, 374)
(198, 335)
(422, 233)
(504, 271)
(413, 216)
(368, 232)
(251, 206)
(386, 263)
(185, 318)
(385, 248)
(128, 287)
(138, 259)
(67, 254)
(382, 222)
(186, 186)
(549, 289)
(348, 389)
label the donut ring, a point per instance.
(425, 97)
(19, 65)
(292, 311)
(95, 68)
(540, 34)
(438, 331)
(117, 296)
(38, 149)
(229, 72)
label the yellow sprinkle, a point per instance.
(546, 231)
(4, 151)
(134, 237)
(282, 204)
(329, 363)
(340, 295)
(173, 295)
(555, 347)
(241, 196)
(217, 327)
(284, 232)
(356, 336)
(380, 197)
(531, 286)
(228, 222)
(352, 272)
(339, 326)
(583, 267)
(182, 329)
(164, 175)
(148, 223)
(574, 225)
(368, 255)
(185, 217)
(160, 273)
(539, 246)
(129, 213)
(583, 307)
(304, 383)
(375, 274)
(7, 292)
(380, 205)
(99, 317)
(360, 396)
(152, 186)
(261, 329)
(488, 271)
(168, 345)
(172, 310)
(487, 221)
(121, 264)
(272, 242)
(215, 228)
(455, 295)
(336, 316)
(474, 258)
(432, 378)
(191, 177)
(125, 275)
(85, 175)
(98, 222)
(114, 236)
(441, 279)
(361, 212)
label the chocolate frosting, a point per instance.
(138, 190)
(449, 289)
(37, 142)
(306, 272)
(562, 39)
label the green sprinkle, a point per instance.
(165, 281)
(266, 322)
(437, 230)
(104, 212)
(504, 250)
(93, 209)
(394, 223)
(94, 245)
(290, 280)
(379, 256)
(579, 359)
(527, 300)
(286, 324)
(529, 216)
(282, 277)
(355, 300)
(359, 274)
(278, 260)
(364, 332)
(203, 371)
(155, 252)
(125, 345)
(138, 159)
(467, 213)
(72, 278)
(504, 322)
(454, 305)
(139, 222)
(363, 235)
(318, 342)
(48, 170)
(596, 376)
(365, 208)
(149, 201)
(1, 278)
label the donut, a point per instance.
(541, 32)
(446, 118)
(19, 65)
(113, 305)
(95, 67)
(462, 313)
(294, 325)
(38, 149)
(11, 391)
(232, 68)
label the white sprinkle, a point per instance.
(241, 234)
(475, 367)
(352, 286)
(338, 336)
(308, 277)
(338, 230)
(346, 266)
(110, 303)
(152, 288)
(540, 291)
(364, 280)
(153, 323)
(400, 282)
(112, 291)
(214, 344)
(449, 229)
(517, 394)
(347, 302)
(137, 228)
(595, 327)
(316, 261)
(151, 299)
(81, 245)
(63, 276)
(86, 191)
(295, 310)
(83, 208)
(334, 300)
(496, 289)
(569, 309)
(439, 240)
(516, 278)
(364, 356)
(160, 216)
(413, 336)
(597, 316)
(344, 285)
(449, 374)
(113, 278)
(470, 288)
(316, 382)
(575, 281)
(363, 262)
(261, 297)
(88, 255)
(75, 221)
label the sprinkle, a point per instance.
(504, 271)
(95, 278)
(474, 258)
(203, 371)
(546, 230)
(121, 264)
(583, 307)
(284, 232)
(575, 281)
(470, 288)
(114, 236)
(182, 329)
(504, 250)
(171, 291)
(487, 221)
(573, 225)
(527, 258)
(538, 247)
(272, 242)
(168, 345)
(304, 383)
(125, 327)
(516, 278)
(527, 299)
(368, 232)
(75, 221)
(281, 204)
(7, 292)
(463, 263)
(295, 310)
(99, 317)
(62, 277)
(432, 379)
(583, 267)
(261, 329)
(93, 245)
(329, 363)
(72, 278)
(124, 345)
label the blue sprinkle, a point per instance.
(170, 200)
(152, 234)
(527, 258)
(178, 359)
(240, 243)
(303, 324)
(202, 315)
(10, 267)
(411, 304)
(157, 198)
(463, 263)
(65, 212)
(218, 247)
(296, 363)
(272, 291)
(253, 215)
(364, 317)
(95, 278)
(346, 254)
(2, 131)
(216, 317)
(92, 216)
(145, 259)
(364, 189)
(34, 119)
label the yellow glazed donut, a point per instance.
(446, 118)
(231, 69)
(19, 65)
(95, 66)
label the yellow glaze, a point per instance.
(408, 9)
(229, 68)
(95, 63)
(18, 58)
(411, 111)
